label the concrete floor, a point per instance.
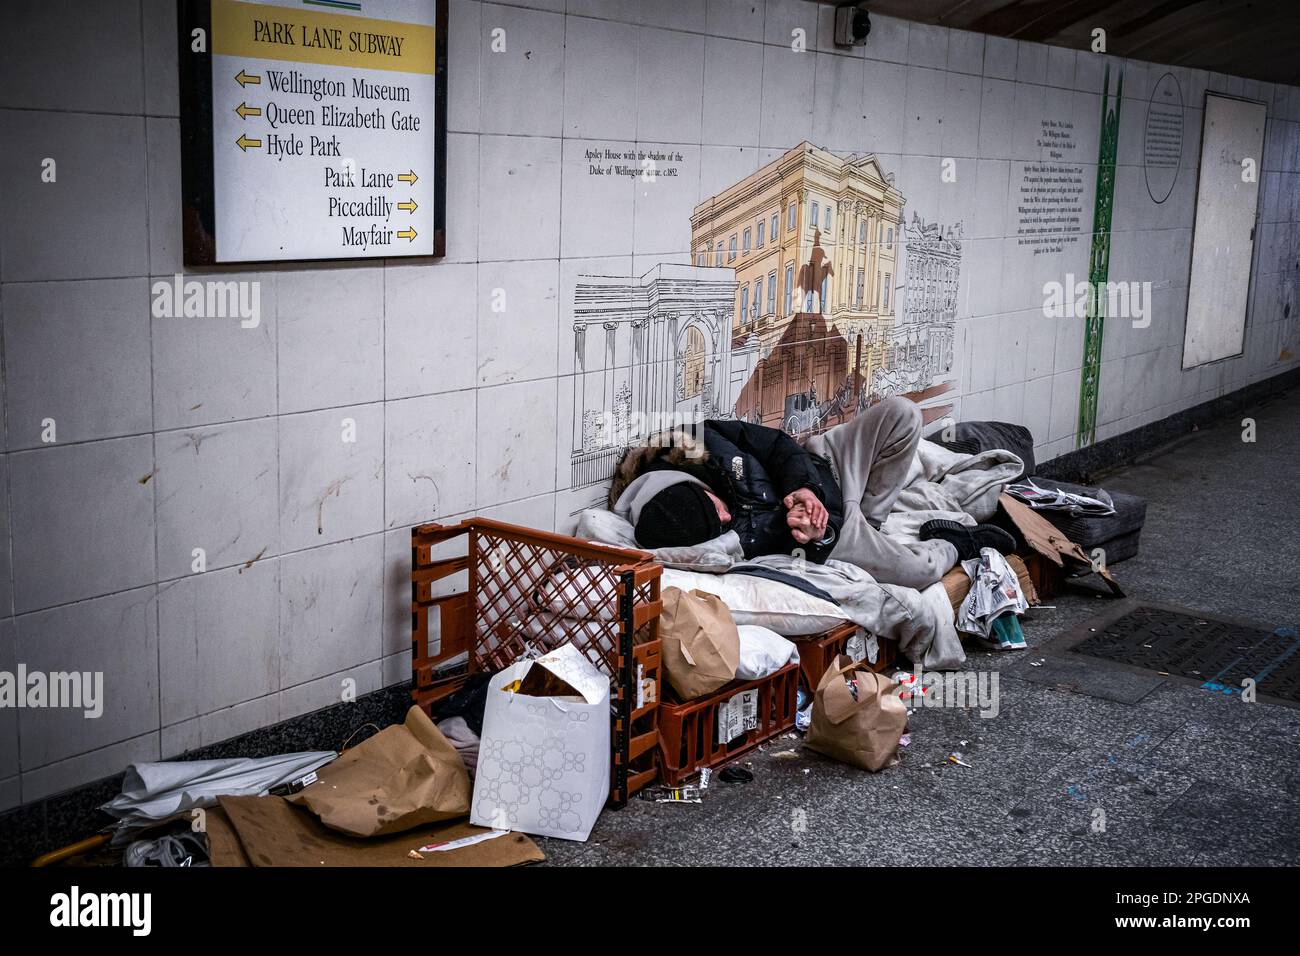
(1184, 776)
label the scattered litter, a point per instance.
(953, 758)
(785, 755)
(705, 774)
(964, 743)
(909, 685)
(689, 793)
(735, 775)
(415, 855)
(802, 719)
(993, 602)
(905, 740)
(807, 770)
(446, 845)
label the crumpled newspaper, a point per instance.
(1053, 499)
(994, 590)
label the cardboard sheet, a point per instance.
(271, 832)
(1046, 539)
(224, 848)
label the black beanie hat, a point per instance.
(680, 515)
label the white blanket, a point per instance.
(940, 484)
(920, 621)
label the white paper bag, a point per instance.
(543, 765)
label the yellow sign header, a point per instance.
(269, 32)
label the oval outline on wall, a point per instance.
(1146, 134)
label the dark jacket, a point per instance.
(750, 467)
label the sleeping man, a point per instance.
(826, 499)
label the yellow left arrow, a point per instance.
(244, 142)
(408, 234)
(245, 111)
(408, 206)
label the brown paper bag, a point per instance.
(404, 776)
(863, 732)
(701, 646)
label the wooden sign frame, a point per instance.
(198, 195)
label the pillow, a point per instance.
(753, 600)
(763, 652)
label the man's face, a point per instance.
(723, 514)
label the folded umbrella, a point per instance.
(155, 791)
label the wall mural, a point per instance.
(812, 296)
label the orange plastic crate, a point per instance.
(492, 592)
(688, 732)
(818, 651)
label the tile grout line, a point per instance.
(279, 567)
(153, 441)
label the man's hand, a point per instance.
(807, 516)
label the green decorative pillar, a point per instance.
(1099, 262)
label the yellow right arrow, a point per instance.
(407, 177)
(244, 142)
(408, 234)
(408, 206)
(245, 111)
(245, 78)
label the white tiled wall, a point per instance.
(180, 434)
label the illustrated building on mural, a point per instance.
(813, 239)
(919, 348)
(796, 313)
(649, 354)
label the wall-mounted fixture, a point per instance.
(852, 24)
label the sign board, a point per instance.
(313, 129)
(1223, 234)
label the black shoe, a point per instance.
(968, 539)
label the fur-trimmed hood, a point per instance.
(679, 448)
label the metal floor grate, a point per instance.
(1217, 653)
